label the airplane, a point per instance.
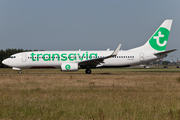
(152, 50)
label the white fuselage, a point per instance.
(54, 59)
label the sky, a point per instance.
(86, 24)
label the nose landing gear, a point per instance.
(20, 72)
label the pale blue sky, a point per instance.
(85, 24)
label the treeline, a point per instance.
(7, 53)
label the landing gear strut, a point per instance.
(20, 71)
(88, 71)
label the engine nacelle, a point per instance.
(69, 66)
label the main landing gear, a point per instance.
(88, 71)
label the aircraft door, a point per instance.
(23, 57)
(141, 57)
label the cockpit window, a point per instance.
(12, 57)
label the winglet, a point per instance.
(116, 51)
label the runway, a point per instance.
(86, 74)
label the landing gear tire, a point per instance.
(20, 72)
(88, 71)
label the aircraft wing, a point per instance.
(99, 60)
(165, 52)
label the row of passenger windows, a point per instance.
(87, 57)
(124, 57)
(42, 57)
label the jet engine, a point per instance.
(69, 67)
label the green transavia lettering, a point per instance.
(63, 56)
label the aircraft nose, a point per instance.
(5, 62)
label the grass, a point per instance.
(137, 94)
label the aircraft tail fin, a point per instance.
(158, 41)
